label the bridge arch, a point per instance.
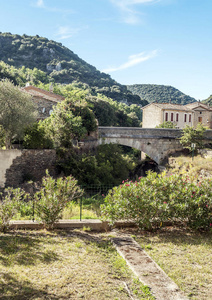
(156, 143)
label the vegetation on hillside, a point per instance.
(107, 111)
(59, 64)
(208, 101)
(160, 93)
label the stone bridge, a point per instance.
(157, 143)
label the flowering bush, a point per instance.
(9, 204)
(158, 198)
(53, 197)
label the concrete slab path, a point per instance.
(149, 273)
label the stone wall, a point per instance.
(6, 160)
(44, 106)
(30, 165)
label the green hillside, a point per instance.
(60, 65)
(208, 101)
(160, 93)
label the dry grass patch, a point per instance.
(62, 265)
(185, 256)
(198, 166)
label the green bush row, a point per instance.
(156, 199)
(51, 199)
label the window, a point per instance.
(172, 117)
(190, 118)
(177, 117)
(166, 117)
(185, 117)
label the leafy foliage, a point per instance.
(158, 198)
(36, 138)
(208, 101)
(160, 93)
(17, 111)
(9, 205)
(53, 197)
(166, 124)
(193, 135)
(71, 119)
(108, 167)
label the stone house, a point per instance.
(191, 114)
(45, 100)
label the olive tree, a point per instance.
(17, 110)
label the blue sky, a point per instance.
(135, 41)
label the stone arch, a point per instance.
(130, 143)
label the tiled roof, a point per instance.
(37, 92)
(170, 106)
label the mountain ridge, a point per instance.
(61, 65)
(160, 93)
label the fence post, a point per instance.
(80, 208)
(33, 212)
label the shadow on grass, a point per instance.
(12, 289)
(25, 249)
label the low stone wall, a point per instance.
(29, 165)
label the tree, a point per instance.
(166, 124)
(71, 120)
(193, 136)
(36, 138)
(17, 111)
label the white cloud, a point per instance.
(127, 8)
(40, 3)
(133, 60)
(65, 32)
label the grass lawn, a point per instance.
(185, 256)
(64, 265)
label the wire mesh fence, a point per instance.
(93, 197)
(90, 201)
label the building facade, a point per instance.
(191, 114)
(44, 100)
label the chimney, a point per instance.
(51, 88)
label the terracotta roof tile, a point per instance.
(37, 92)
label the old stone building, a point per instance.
(191, 114)
(44, 100)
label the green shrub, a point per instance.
(35, 137)
(156, 199)
(53, 197)
(9, 204)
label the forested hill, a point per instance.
(60, 64)
(160, 93)
(208, 101)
